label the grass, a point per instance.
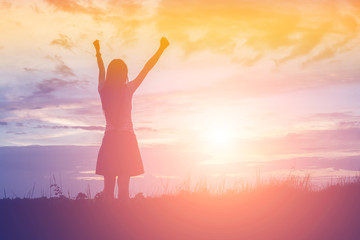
(289, 208)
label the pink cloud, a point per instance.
(307, 142)
(333, 116)
(87, 128)
(61, 68)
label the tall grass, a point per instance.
(202, 187)
(278, 208)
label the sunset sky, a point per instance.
(245, 85)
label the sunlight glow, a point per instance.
(219, 136)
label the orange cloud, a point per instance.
(5, 5)
(349, 26)
(229, 26)
(324, 54)
(125, 16)
(355, 4)
(63, 41)
(73, 6)
(287, 29)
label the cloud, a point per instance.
(313, 142)
(333, 116)
(348, 124)
(310, 29)
(312, 165)
(351, 163)
(229, 26)
(15, 132)
(342, 120)
(73, 6)
(251, 61)
(30, 69)
(324, 54)
(126, 16)
(310, 39)
(126, 7)
(240, 87)
(110, 8)
(349, 26)
(87, 128)
(146, 129)
(5, 4)
(63, 41)
(50, 85)
(47, 93)
(254, 84)
(355, 4)
(62, 69)
(36, 8)
(3, 123)
(92, 128)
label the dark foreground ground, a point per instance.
(266, 212)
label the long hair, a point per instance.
(117, 73)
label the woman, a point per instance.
(119, 154)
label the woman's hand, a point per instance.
(164, 43)
(97, 46)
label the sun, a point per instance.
(219, 136)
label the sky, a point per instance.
(244, 87)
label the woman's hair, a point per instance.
(117, 72)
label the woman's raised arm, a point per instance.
(100, 65)
(164, 43)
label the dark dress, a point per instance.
(119, 153)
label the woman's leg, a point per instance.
(123, 187)
(109, 185)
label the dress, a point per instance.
(119, 152)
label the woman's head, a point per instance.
(117, 72)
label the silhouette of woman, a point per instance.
(119, 154)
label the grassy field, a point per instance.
(286, 209)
